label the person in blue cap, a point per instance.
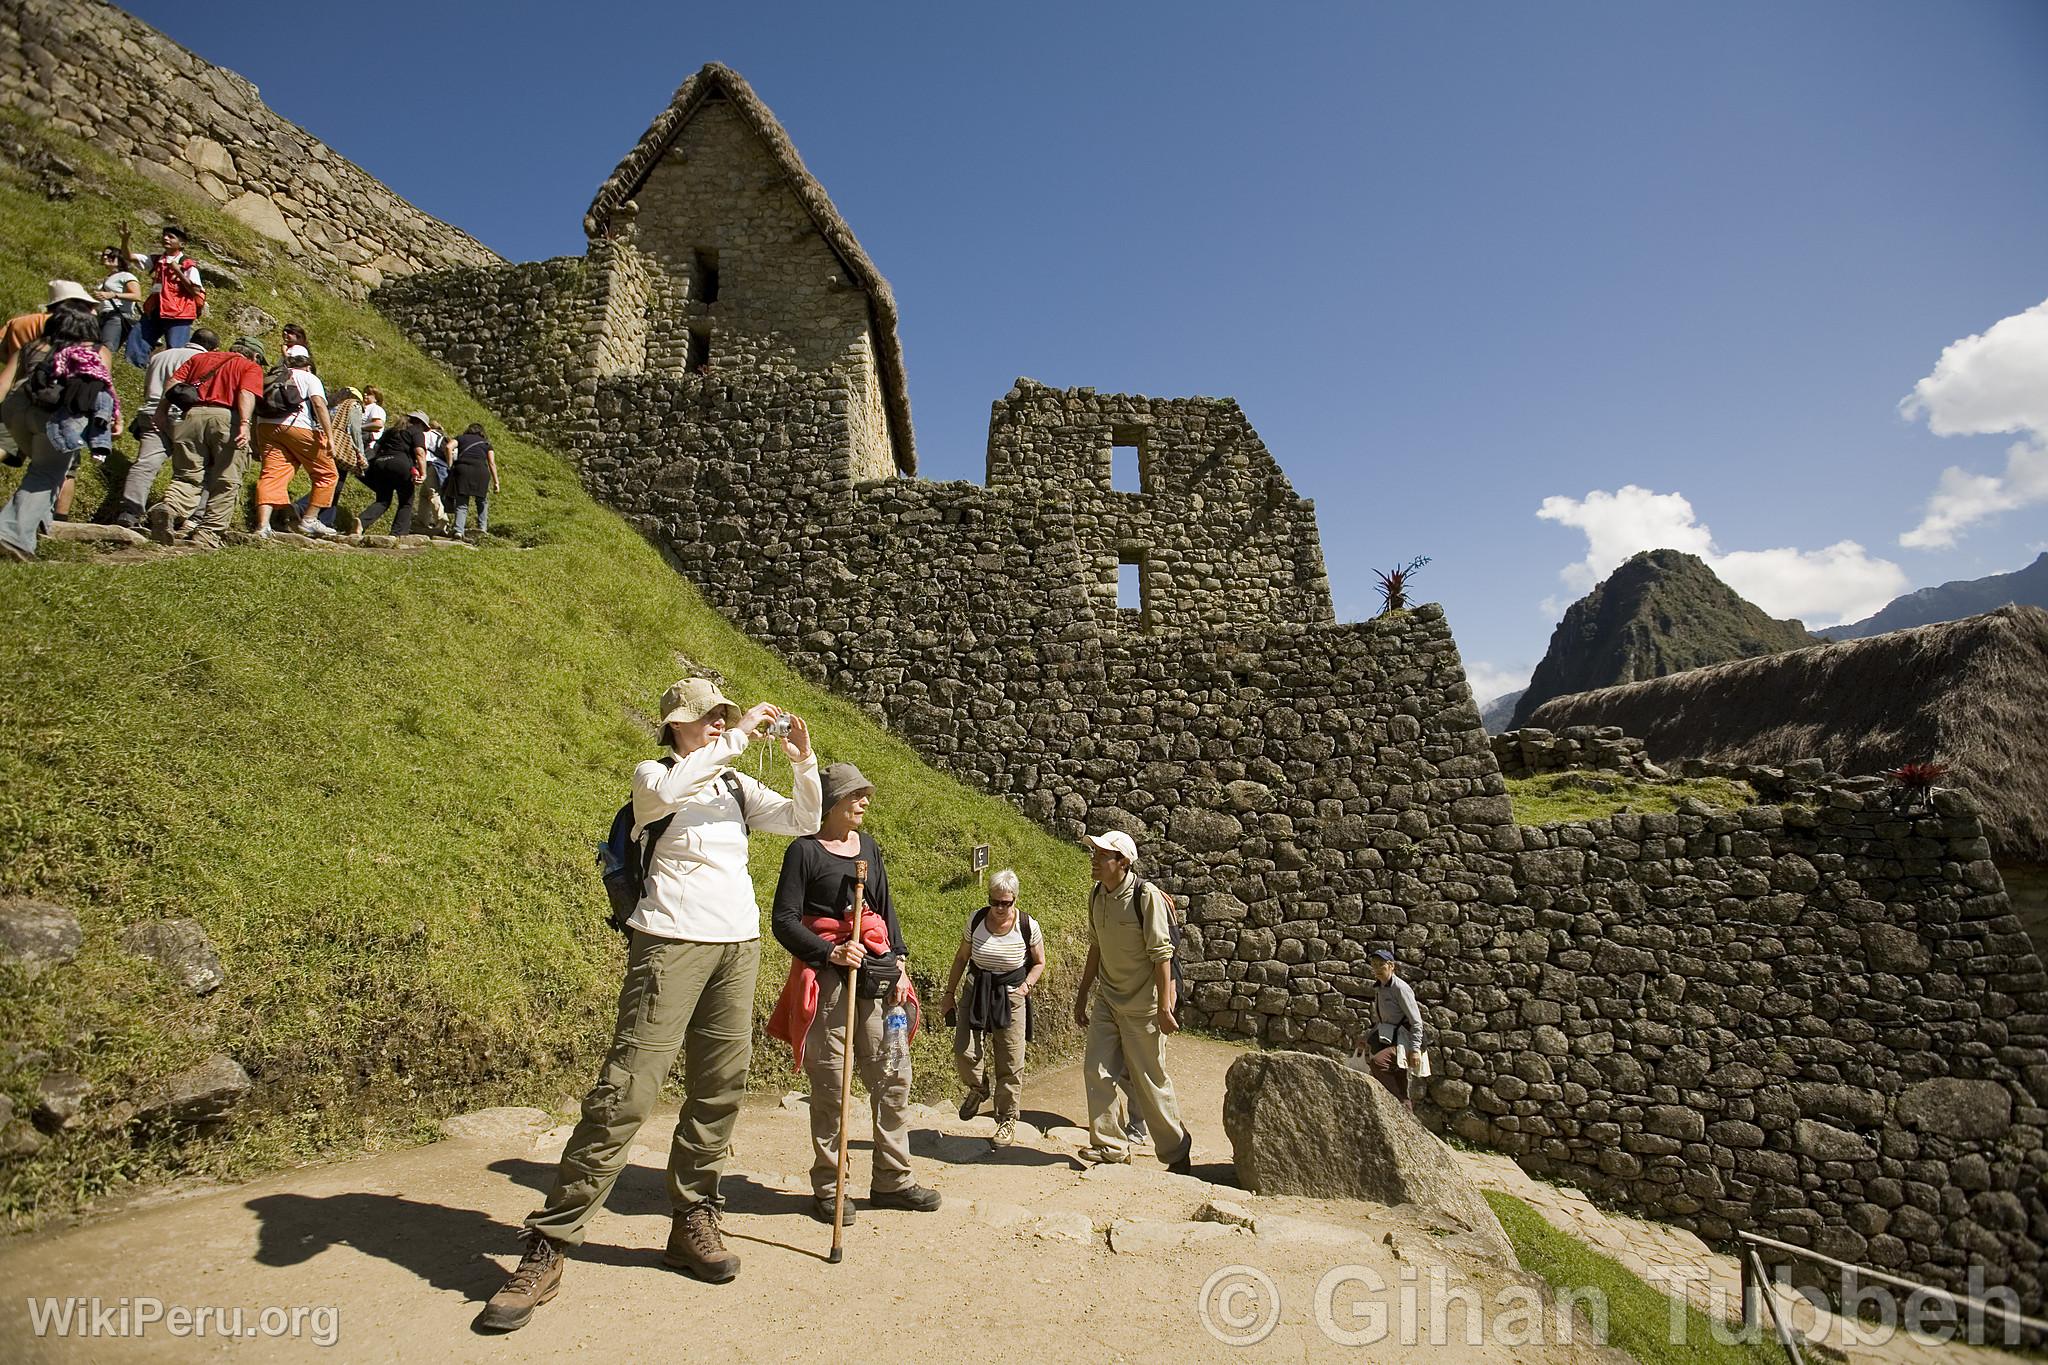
(1398, 1038)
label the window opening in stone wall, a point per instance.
(707, 275)
(1127, 460)
(700, 350)
(1133, 588)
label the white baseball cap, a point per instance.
(1117, 842)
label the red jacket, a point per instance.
(798, 1004)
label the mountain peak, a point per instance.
(1660, 611)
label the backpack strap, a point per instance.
(652, 834)
(739, 796)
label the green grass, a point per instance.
(376, 781)
(1575, 796)
(1639, 1316)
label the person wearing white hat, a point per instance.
(1130, 972)
(20, 330)
(689, 988)
(300, 440)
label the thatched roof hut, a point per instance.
(713, 82)
(1972, 694)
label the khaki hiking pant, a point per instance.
(692, 998)
(888, 1101)
(204, 456)
(1126, 1040)
(992, 1061)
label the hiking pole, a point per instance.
(860, 883)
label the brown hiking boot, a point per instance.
(538, 1279)
(695, 1246)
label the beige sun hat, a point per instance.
(695, 698)
(840, 781)
(67, 291)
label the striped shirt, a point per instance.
(998, 954)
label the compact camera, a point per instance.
(779, 727)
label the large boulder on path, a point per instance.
(1306, 1125)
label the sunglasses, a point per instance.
(1001, 905)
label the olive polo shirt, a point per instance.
(1128, 949)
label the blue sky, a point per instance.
(1520, 287)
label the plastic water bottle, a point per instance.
(896, 1043)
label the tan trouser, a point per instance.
(888, 1100)
(693, 998)
(998, 1050)
(1128, 1040)
(204, 455)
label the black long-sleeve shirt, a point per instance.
(817, 882)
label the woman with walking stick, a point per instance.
(695, 947)
(822, 884)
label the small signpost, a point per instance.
(980, 860)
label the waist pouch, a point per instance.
(878, 976)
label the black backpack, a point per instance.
(1173, 935)
(622, 862)
(280, 396)
(38, 374)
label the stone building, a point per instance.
(1703, 1013)
(1817, 1016)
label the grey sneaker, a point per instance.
(1136, 1131)
(1102, 1156)
(538, 1279)
(915, 1198)
(821, 1209)
(1006, 1132)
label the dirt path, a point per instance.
(1030, 1256)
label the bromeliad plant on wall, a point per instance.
(1393, 585)
(1913, 783)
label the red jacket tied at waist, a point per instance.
(798, 1004)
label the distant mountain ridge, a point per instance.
(1953, 601)
(1661, 612)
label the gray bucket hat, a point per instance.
(840, 781)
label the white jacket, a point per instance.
(698, 888)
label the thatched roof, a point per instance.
(1971, 693)
(715, 81)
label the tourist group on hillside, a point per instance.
(214, 414)
(677, 874)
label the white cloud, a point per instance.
(1620, 523)
(1489, 682)
(1821, 587)
(1993, 383)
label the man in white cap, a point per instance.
(1130, 956)
(689, 988)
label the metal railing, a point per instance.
(1756, 1286)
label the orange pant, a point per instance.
(285, 449)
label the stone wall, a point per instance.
(106, 77)
(1792, 1018)
(1529, 752)
(1819, 1020)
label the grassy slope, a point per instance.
(375, 780)
(1639, 1315)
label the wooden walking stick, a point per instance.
(860, 886)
